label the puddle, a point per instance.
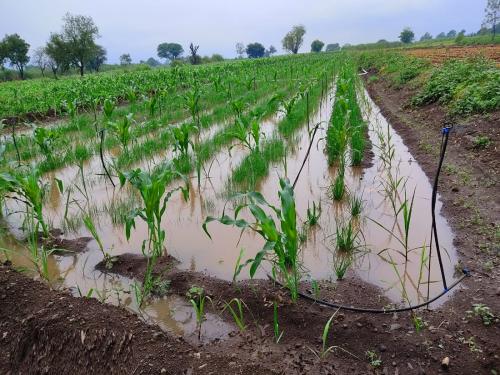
(186, 241)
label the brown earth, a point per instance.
(439, 54)
(41, 330)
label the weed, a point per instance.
(374, 360)
(484, 312)
(481, 142)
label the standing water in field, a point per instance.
(384, 253)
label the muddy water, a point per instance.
(189, 244)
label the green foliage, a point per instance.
(15, 49)
(374, 360)
(407, 35)
(30, 189)
(484, 312)
(169, 51)
(276, 327)
(313, 214)
(481, 142)
(294, 39)
(237, 312)
(280, 233)
(317, 45)
(197, 297)
(466, 86)
(255, 50)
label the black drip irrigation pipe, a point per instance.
(465, 271)
(444, 142)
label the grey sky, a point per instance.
(137, 27)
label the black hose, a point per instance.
(379, 311)
(307, 155)
(444, 143)
(102, 157)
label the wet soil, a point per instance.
(64, 246)
(41, 330)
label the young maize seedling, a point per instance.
(277, 334)
(341, 263)
(197, 297)
(313, 214)
(281, 246)
(29, 189)
(237, 313)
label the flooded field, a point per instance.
(382, 257)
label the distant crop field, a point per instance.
(438, 55)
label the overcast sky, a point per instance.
(138, 26)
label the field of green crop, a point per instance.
(279, 167)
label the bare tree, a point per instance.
(41, 59)
(491, 15)
(194, 58)
(240, 49)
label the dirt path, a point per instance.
(41, 330)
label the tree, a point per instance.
(194, 58)
(332, 47)
(76, 42)
(441, 35)
(255, 50)
(59, 57)
(125, 59)
(152, 62)
(317, 46)
(240, 50)
(425, 37)
(407, 35)
(3, 56)
(491, 15)
(41, 59)
(15, 49)
(97, 59)
(294, 39)
(460, 37)
(272, 50)
(216, 57)
(451, 34)
(169, 51)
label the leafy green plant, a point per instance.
(181, 139)
(121, 129)
(418, 322)
(29, 189)
(154, 195)
(374, 360)
(281, 240)
(45, 139)
(484, 312)
(481, 142)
